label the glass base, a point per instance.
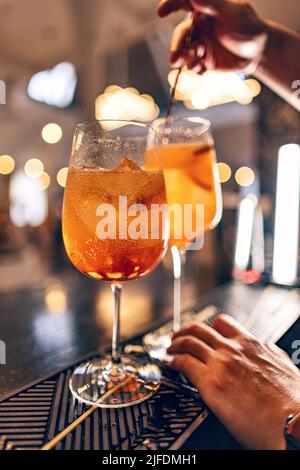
(156, 346)
(106, 384)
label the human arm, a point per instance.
(230, 35)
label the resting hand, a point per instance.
(251, 387)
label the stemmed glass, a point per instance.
(194, 197)
(114, 181)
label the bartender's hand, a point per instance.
(252, 388)
(227, 35)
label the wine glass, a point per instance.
(109, 235)
(188, 158)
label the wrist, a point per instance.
(275, 42)
(263, 40)
(260, 40)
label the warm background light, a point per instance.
(244, 176)
(52, 133)
(56, 301)
(43, 182)
(224, 172)
(254, 86)
(62, 177)
(133, 90)
(112, 88)
(34, 168)
(125, 104)
(147, 97)
(213, 88)
(200, 100)
(7, 164)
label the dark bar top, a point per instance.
(44, 333)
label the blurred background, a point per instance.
(67, 61)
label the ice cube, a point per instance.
(128, 183)
(127, 165)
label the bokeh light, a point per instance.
(43, 182)
(244, 99)
(7, 164)
(56, 301)
(213, 88)
(224, 172)
(34, 168)
(55, 86)
(254, 86)
(125, 104)
(28, 205)
(200, 100)
(133, 90)
(62, 177)
(52, 133)
(244, 176)
(112, 88)
(147, 97)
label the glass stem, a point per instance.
(116, 291)
(178, 256)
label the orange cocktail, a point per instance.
(120, 258)
(114, 231)
(190, 176)
(188, 159)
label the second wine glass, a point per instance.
(188, 158)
